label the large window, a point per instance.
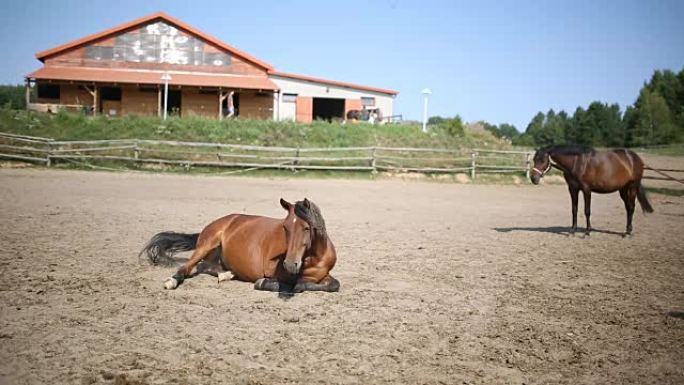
(367, 101)
(48, 91)
(111, 93)
(158, 43)
(289, 98)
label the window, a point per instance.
(110, 93)
(289, 98)
(48, 91)
(367, 101)
(148, 89)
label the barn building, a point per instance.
(157, 60)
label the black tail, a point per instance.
(643, 199)
(164, 245)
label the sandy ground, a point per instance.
(441, 284)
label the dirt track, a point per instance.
(441, 284)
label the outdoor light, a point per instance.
(166, 78)
(426, 93)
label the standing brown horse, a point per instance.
(590, 171)
(291, 254)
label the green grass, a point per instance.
(666, 191)
(676, 149)
(70, 126)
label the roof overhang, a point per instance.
(130, 76)
(335, 83)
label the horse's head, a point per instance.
(303, 225)
(541, 165)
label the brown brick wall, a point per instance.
(74, 94)
(256, 106)
(135, 102)
(194, 103)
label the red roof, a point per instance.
(108, 75)
(144, 20)
(331, 82)
(180, 78)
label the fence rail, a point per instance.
(197, 154)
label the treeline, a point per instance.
(657, 117)
(12, 96)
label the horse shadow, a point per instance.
(676, 314)
(559, 230)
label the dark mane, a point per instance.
(308, 211)
(570, 149)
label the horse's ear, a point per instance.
(286, 205)
(307, 204)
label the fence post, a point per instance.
(473, 155)
(527, 165)
(136, 151)
(48, 162)
(296, 161)
(374, 171)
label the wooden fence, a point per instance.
(194, 154)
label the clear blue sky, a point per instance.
(499, 61)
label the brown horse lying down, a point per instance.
(590, 171)
(291, 254)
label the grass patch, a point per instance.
(666, 191)
(73, 126)
(676, 149)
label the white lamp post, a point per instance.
(426, 93)
(166, 78)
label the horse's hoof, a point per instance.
(259, 284)
(170, 284)
(225, 276)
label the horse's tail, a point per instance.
(643, 199)
(165, 244)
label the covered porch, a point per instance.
(118, 92)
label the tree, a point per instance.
(654, 120)
(547, 129)
(508, 131)
(12, 96)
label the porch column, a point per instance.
(28, 93)
(93, 93)
(276, 105)
(222, 97)
(95, 100)
(159, 101)
(220, 104)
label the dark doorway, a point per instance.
(328, 108)
(109, 102)
(173, 108)
(236, 105)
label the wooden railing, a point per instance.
(196, 154)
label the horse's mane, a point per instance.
(570, 149)
(308, 211)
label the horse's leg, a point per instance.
(625, 199)
(211, 264)
(574, 197)
(215, 266)
(271, 284)
(329, 284)
(204, 248)
(587, 208)
(630, 205)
